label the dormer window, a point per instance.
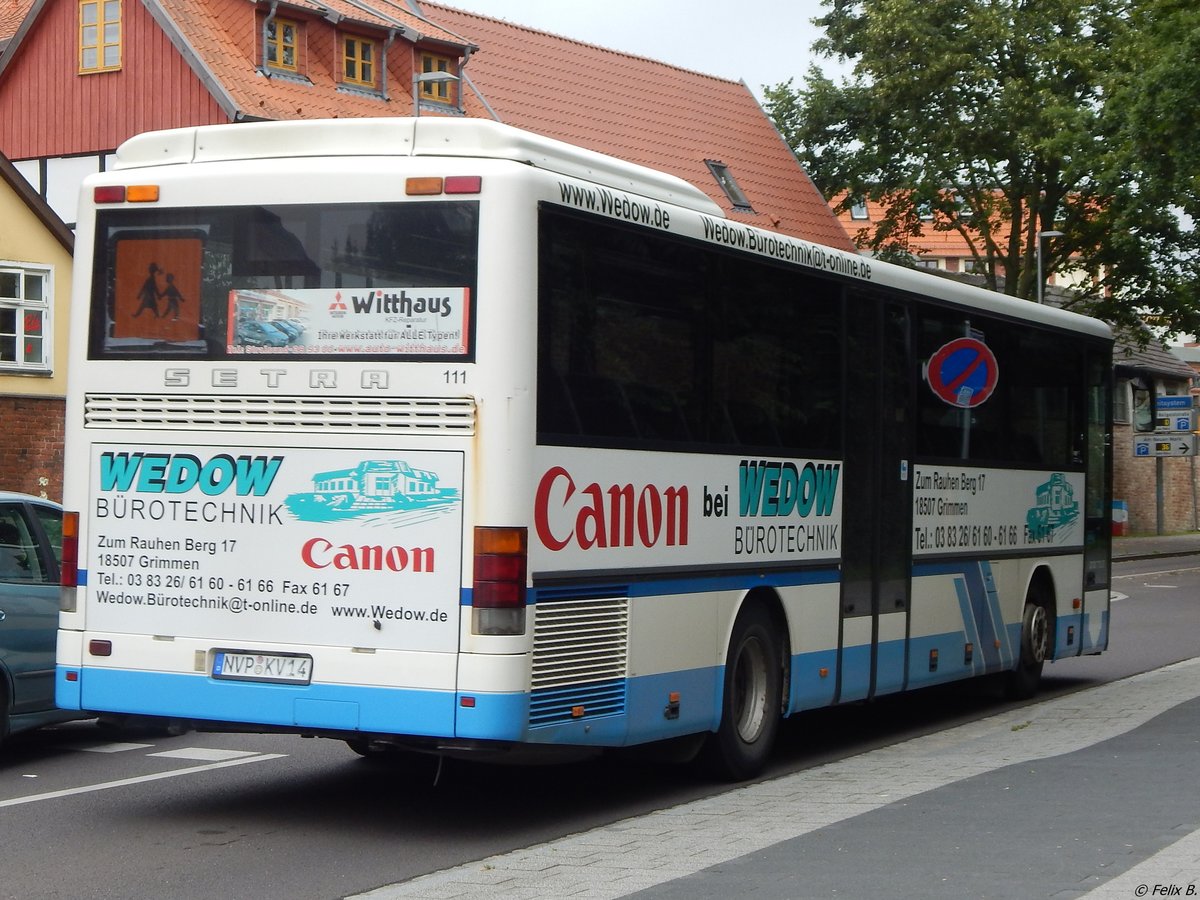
(729, 185)
(281, 42)
(99, 35)
(438, 91)
(358, 62)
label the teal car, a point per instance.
(30, 555)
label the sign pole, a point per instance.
(1158, 493)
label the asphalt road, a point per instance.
(90, 814)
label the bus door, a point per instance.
(877, 498)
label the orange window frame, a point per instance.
(283, 45)
(100, 27)
(438, 91)
(358, 61)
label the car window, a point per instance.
(51, 520)
(19, 559)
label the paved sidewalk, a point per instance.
(1147, 546)
(779, 838)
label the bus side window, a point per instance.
(754, 425)
(556, 412)
(602, 406)
(657, 413)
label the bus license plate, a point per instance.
(239, 665)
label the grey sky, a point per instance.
(757, 41)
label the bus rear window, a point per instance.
(329, 281)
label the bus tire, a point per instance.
(751, 700)
(1023, 681)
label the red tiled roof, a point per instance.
(12, 13)
(644, 111)
(628, 106)
(382, 14)
(223, 38)
(931, 243)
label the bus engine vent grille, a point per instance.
(410, 415)
(580, 650)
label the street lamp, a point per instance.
(1041, 236)
(420, 78)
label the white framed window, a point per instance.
(1121, 402)
(25, 338)
(858, 210)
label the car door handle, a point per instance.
(1, 615)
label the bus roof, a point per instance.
(439, 136)
(429, 136)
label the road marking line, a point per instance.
(111, 747)
(138, 779)
(209, 754)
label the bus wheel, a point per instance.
(750, 707)
(1035, 647)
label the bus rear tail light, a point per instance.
(109, 193)
(423, 186)
(463, 184)
(119, 193)
(69, 568)
(142, 193)
(498, 589)
(431, 186)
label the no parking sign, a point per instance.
(963, 372)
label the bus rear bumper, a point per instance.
(299, 708)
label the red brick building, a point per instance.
(151, 64)
(78, 77)
(1140, 481)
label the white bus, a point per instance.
(439, 435)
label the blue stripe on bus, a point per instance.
(969, 612)
(325, 706)
(1068, 628)
(692, 584)
(1101, 625)
(983, 620)
(856, 673)
(66, 692)
(889, 667)
(497, 717)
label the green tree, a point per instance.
(998, 119)
(1151, 251)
